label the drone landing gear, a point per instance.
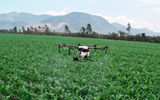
(76, 59)
(88, 58)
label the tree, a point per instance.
(67, 29)
(35, 30)
(113, 35)
(83, 30)
(23, 29)
(28, 30)
(15, 30)
(10, 31)
(89, 29)
(122, 35)
(128, 28)
(46, 29)
(19, 31)
(143, 36)
(31, 29)
(39, 29)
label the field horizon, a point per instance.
(32, 68)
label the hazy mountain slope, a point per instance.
(12, 19)
(76, 20)
(134, 30)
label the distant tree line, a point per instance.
(84, 32)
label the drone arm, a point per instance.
(101, 48)
(93, 47)
(65, 46)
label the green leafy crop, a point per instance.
(32, 69)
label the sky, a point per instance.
(139, 13)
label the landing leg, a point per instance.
(76, 59)
(69, 51)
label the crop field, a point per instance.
(32, 69)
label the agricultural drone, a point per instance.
(82, 51)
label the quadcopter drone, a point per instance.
(82, 51)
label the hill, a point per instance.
(9, 20)
(74, 20)
(134, 30)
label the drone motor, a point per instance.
(82, 51)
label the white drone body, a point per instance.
(83, 51)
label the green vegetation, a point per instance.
(85, 32)
(32, 69)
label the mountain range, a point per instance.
(74, 21)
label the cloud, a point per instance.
(152, 5)
(142, 2)
(55, 13)
(134, 23)
(148, 2)
(156, 9)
